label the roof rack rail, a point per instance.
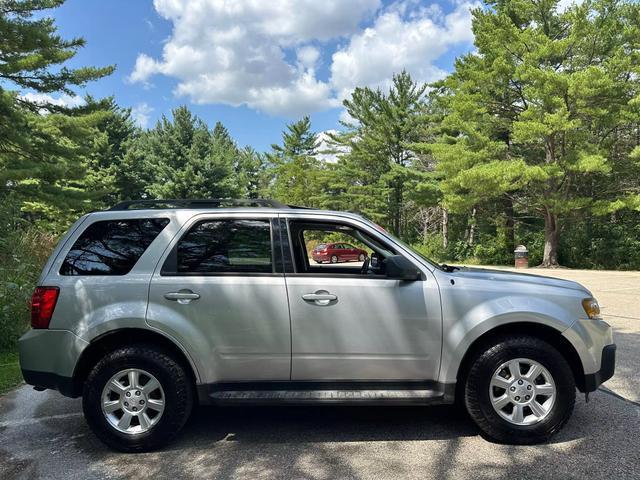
(206, 203)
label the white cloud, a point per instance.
(327, 152)
(563, 5)
(308, 56)
(234, 52)
(145, 67)
(267, 54)
(63, 100)
(141, 114)
(394, 44)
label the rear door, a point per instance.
(220, 290)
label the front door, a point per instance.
(351, 322)
(219, 293)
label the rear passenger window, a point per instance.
(223, 246)
(111, 247)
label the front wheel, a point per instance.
(520, 390)
(137, 398)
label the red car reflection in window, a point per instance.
(338, 252)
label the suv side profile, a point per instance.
(152, 306)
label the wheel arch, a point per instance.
(114, 339)
(544, 332)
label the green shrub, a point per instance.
(432, 248)
(23, 252)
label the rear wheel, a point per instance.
(361, 257)
(520, 390)
(334, 259)
(137, 398)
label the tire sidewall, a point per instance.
(177, 399)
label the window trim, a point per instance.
(198, 219)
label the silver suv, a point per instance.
(152, 306)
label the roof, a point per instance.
(198, 204)
(134, 208)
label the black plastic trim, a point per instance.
(447, 390)
(607, 368)
(51, 381)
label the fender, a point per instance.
(114, 325)
(460, 334)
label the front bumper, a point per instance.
(593, 342)
(48, 359)
(607, 367)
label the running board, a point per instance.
(382, 396)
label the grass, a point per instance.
(10, 374)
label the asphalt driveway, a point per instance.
(43, 435)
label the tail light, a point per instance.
(43, 301)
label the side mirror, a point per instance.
(398, 267)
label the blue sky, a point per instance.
(255, 66)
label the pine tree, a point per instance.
(181, 158)
(44, 147)
(536, 113)
(297, 140)
(376, 174)
(294, 169)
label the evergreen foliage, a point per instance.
(544, 115)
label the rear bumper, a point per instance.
(607, 368)
(48, 359)
(50, 381)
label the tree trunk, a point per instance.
(398, 213)
(445, 228)
(551, 240)
(510, 226)
(472, 228)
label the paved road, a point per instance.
(43, 435)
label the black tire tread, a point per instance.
(492, 425)
(171, 422)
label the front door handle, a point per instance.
(182, 296)
(321, 297)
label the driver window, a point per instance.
(334, 248)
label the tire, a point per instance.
(334, 259)
(175, 395)
(361, 257)
(533, 425)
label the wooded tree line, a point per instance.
(533, 139)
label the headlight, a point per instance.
(591, 306)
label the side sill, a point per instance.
(326, 392)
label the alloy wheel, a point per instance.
(522, 391)
(133, 401)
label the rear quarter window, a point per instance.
(111, 247)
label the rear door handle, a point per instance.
(182, 296)
(321, 297)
